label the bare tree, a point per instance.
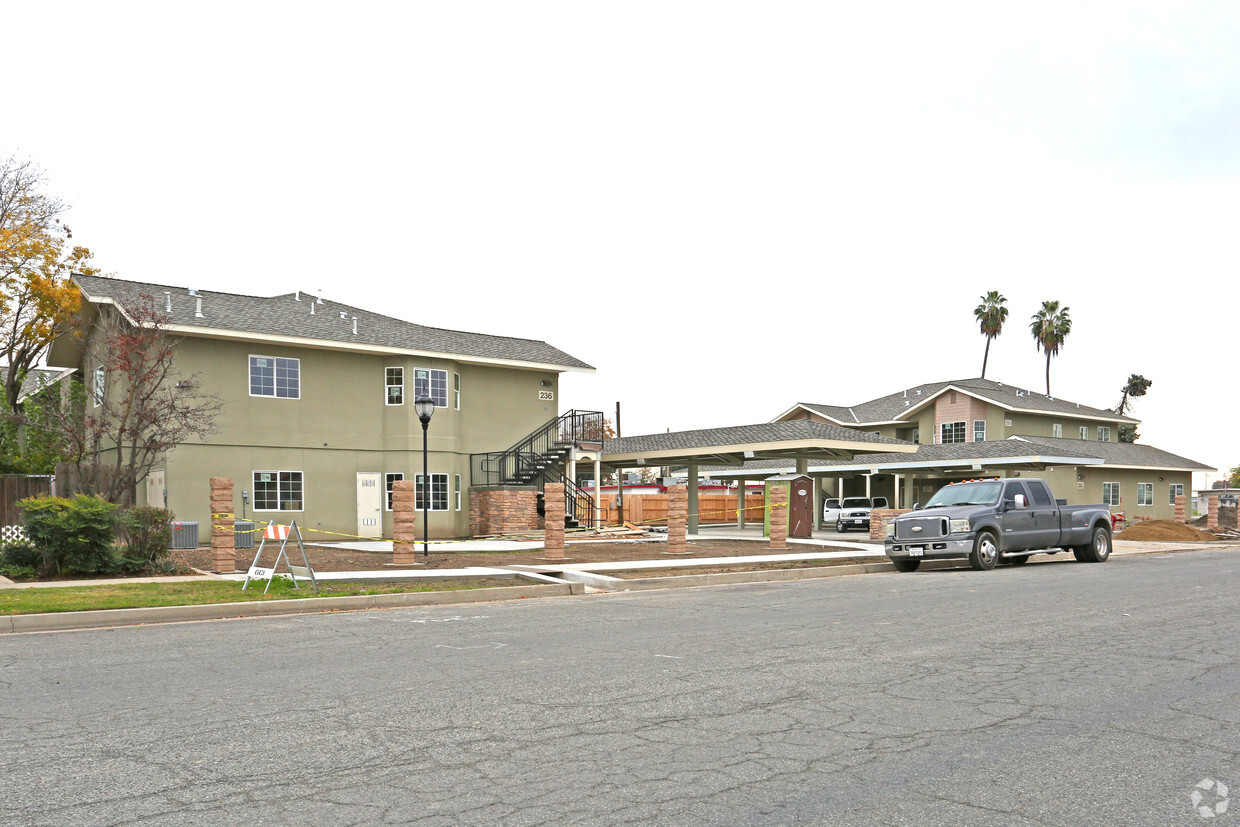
(135, 407)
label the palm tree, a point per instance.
(990, 315)
(1050, 326)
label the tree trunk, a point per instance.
(985, 357)
(1048, 373)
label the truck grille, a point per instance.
(931, 528)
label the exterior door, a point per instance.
(801, 508)
(156, 493)
(1045, 515)
(369, 504)
(1018, 530)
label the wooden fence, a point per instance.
(14, 487)
(651, 509)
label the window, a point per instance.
(1057, 430)
(457, 490)
(951, 432)
(1145, 493)
(1104, 433)
(1037, 490)
(1084, 432)
(1110, 494)
(278, 491)
(979, 430)
(1177, 490)
(456, 396)
(388, 479)
(100, 379)
(275, 376)
(439, 492)
(917, 436)
(432, 383)
(394, 380)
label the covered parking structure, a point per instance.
(793, 444)
(907, 478)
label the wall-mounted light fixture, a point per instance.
(546, 383)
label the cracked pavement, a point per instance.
(1053, 694)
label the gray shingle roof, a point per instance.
(793, 430)
(1120, 453)
(284, 316)
(888, 408)
(37, 378)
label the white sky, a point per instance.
(726, 208)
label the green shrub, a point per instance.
(147, 535)
(73, 535)
(20, 561)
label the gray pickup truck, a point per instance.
(997, 521)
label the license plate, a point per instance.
(916, 551)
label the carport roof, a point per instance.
(733, 445)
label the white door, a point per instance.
(369, 504)
(156, 495)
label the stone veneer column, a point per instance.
(223, 541)
(677, 519)
(553, 521)
(880, 518)
(404, 523)
(778, 496)
(1212, 514)
(1181, 509)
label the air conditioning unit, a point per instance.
(184, 535)
(243, 534)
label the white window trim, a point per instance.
(430, 491)
(1106, 501)
(1172, 495)
(456, 396)
(1104, 431)
(249, 381)
(456, 490)
(387, 491)
(431, 384)
(1084, 431)
(254, 487)
(1057, 430)
(100, 385)
(977, 422)
(964, 431)
(1148, 486)
(387, 386)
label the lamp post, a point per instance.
(425, 406)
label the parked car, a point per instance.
(993, 521)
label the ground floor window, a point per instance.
(439, 492)
(1145, 493)
(457, 490)
(1177, 490)
(1110, 493)
(278, 491)
(388, 479)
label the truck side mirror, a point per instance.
(917, 506)
(1020, 501)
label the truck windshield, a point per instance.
(856, 502)
(978, 493)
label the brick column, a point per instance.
(1181, 509)
(223, 542)
(1212, 514)
(677, 519)
(779, 516)
(553, 521)
(404, 523)
(879, 519)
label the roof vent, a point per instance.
(355, 325)
(198, 308)
(193, 292)
(919, 393)
(344, 315)
(320, 299)
(311, 308)
(1000, 384)
(1018, 393)
(906, 394)
(906, 403)
(168, 300)
(297, 296)
(1050, 398)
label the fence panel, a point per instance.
(651, 509)
(15, 487)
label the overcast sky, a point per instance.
(726, 208)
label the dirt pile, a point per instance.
(1164, 531)
(1226, 518)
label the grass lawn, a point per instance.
(137, 595)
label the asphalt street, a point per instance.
(1056, 693)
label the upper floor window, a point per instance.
(951, 432)
(1104, 433)
(1057, 430)
(917, 436)
(394, 380)
(979, 430)
(456, 391)
(432, 383)
(1110, 493)
(1084, 432)
(275, 376)
(98, 389)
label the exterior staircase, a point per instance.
(537, 459)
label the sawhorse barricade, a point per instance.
(283, 533)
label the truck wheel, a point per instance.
(839, 527)
(905, 564)
(985, 553)
(1099, 549)
(1081, 553)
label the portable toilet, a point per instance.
(800, 490)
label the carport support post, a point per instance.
(740, 502)
(818, 498)
(598, 493)
(896, 501)
(693, 498)
(867, 485)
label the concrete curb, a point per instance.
(107, 618)
(773, 575)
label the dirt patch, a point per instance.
(1226, 518)
(332, 559)
(1165, 531)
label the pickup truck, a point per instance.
(853, 512)
(997, 521)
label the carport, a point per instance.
(796, 443)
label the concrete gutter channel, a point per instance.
(553, 581)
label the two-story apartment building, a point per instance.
(977, 427)
(318, 418)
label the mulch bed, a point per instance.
(332, 559)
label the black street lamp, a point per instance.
(425, 406)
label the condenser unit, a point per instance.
(184, 535)
(243, 534)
